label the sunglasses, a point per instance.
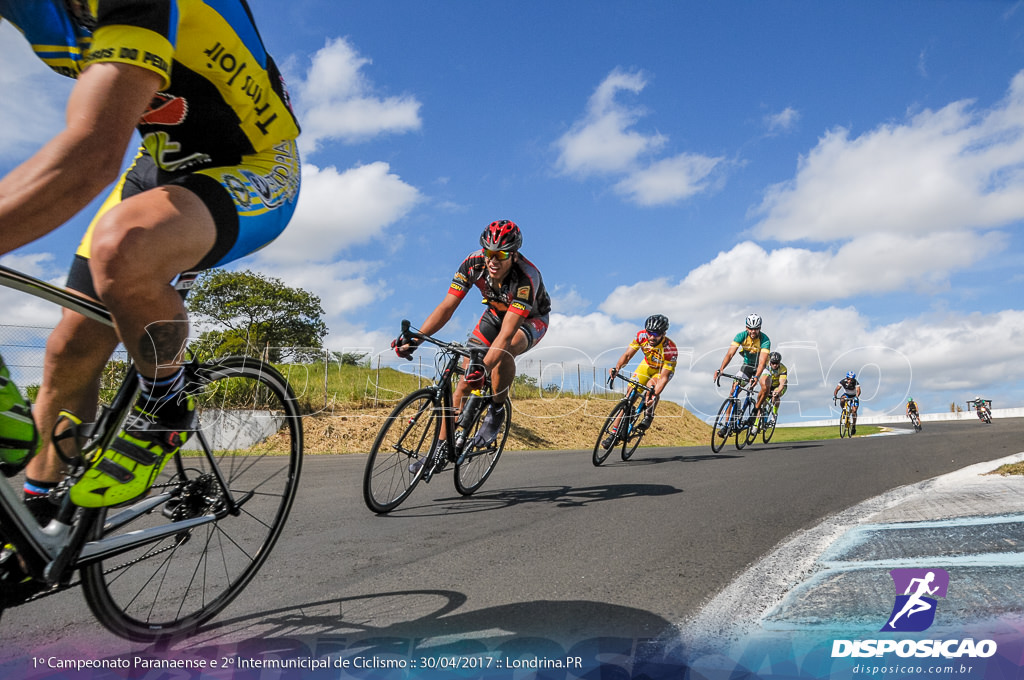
(497, 254)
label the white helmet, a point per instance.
(753, 321)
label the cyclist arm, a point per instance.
(729, 354)
(663, 377)
(626, 357)
(762, 361)
(60, 179)
(441, 315)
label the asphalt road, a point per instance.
(550, 549)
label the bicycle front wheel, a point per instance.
(635, 434)
(242, 467)
(405, 438)
(768, 426)
(601, 452)
(844, 425)
(722, 427)
(477, 461)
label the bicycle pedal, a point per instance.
(70, 437)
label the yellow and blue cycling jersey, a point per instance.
(751, 348)
(222, 96)
(221, 125)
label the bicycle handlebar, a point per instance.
(462, 350)
(631, 381)
(742, 379)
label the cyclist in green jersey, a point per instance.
(754, 346)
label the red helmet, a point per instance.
(502, 235)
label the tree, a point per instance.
(256, 315)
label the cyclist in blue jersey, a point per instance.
(216, 177)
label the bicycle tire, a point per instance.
(742, 428)
(768, 429)
(722, 424)
(171, 587)
(408, 434)
(477, 462)
(601, 453)
(632, 440)
(844, 424)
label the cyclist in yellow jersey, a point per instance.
(216, 177)
(657, 367)
(778, 379)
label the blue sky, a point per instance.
(853, 172)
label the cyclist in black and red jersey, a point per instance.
(516, 318)
(216, 177)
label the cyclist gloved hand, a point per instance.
(611, 377)
(475, 374)
(404, 347)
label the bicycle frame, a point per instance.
(54, 552)
(451, 370)
(738, 405)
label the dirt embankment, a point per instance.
(556, 424)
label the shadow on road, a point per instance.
(560, 496)
(406, 624)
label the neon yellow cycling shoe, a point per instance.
(127, 469)
(18, 436)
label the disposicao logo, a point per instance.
(913, 612)
(916, 590)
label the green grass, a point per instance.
(803, 434)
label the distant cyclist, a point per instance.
(912, 407)
(982, 407)
(851, 393)
(754, 346)
(657, 367)
(515, 320)
(778, 379)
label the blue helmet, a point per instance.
(851, 375)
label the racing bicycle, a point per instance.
(162, 565)
(406, 449)
(735, 414)
(915, 420)
(624, 423)
(846, 417)
(767, 420)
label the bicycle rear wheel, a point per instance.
(478, 460)
(247, 450)
(721, 428)
(600, 452)
(406, 436)
(634, 433)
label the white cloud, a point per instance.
(335, 101)
(940, 170)
(30, 118)
(668, 180)
(604, 142)
(337, 210)
(782, 121)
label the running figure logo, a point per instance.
(914, 610)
